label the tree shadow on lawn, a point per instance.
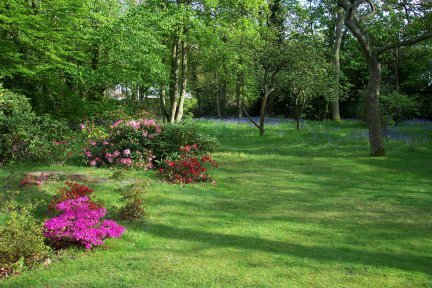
(372, 214)
(358, 221)
(326, 254)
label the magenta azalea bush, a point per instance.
(129, 144)
(78, 223)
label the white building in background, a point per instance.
(120, 92)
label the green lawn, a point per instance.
(304, 208)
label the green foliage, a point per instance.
(92, 131)
(109, 110)
(66, 55)
(132, 197)
(21, 239)
(28, 137)
(396, 106)
(176, 135)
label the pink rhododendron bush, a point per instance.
(129, 144)
(79, 222)
(142, 143)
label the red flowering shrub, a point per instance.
(72, 191)
(189, 167)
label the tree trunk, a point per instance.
(270, 106)
(336, 59)
(223, 97)
(97, 90)
(174, 81)
(299, 108)
(184, 68)
(396, 70)
(218, 106)
(239, 85)
(263, 111)
(164, 112)
(224, 91)
(373, 113)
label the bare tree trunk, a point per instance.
(250, 118)
(373, 113)
(224, 91)
(270, 106)
(268, 89)
(263, 110)
(371, 56)
(218, 106)
(174, 81)
(239, 85)
(164, 112)
(336, 59)
(184, 68)
(396, 70)
(98, 90)
(300, 102)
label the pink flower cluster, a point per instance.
(115, 157)
(140, 124)
(144, 124)
(79, 223)
(117, 149)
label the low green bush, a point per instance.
(396, 106)
(132, 197)
(21, 240)
(176, 135)
(28, 137)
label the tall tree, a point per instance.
(357, 21)
(339, 21)
(271, 57)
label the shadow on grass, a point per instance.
(327, 254)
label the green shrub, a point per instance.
(132, 196)
(28, 137)
(109, 110)
(176, 135)
(395, 106)
(21, 239)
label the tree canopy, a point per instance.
(308, 58)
